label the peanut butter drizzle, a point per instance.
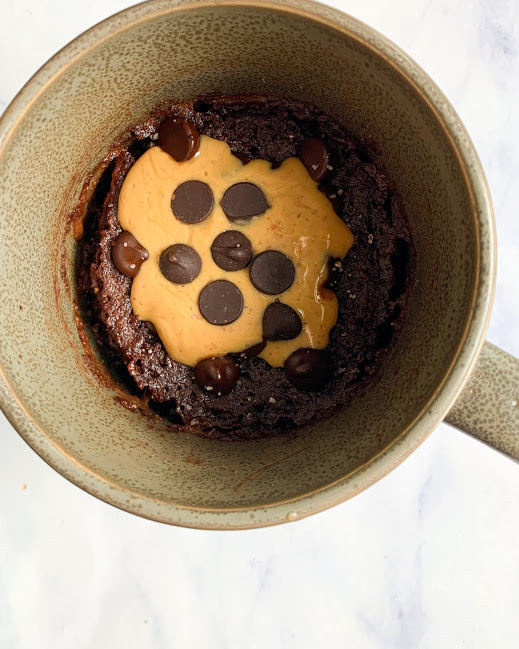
(301, 223)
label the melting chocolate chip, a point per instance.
(242, 201)
(335, 199)
(220, 302)
(254, 350)
(281, 322)
(179, 138)
(335, 271)
(128, 254)
(218, 373)
(231, 250)
(180, 263)
(242, 156)
(192, 201)
(315, 157)
(272, 272)
(308, 369)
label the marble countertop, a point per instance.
(426, 558)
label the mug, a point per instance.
(64, 121)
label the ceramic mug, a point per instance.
(62, 124)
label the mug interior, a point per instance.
(110, 83)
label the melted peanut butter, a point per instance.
(301, 223)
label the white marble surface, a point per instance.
(427, 558)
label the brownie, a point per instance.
(372, 282)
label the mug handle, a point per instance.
(488, 406)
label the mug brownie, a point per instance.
(244, 265)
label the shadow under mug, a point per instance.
(61, 125)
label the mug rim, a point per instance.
(456, 374)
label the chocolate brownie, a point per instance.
(372, 282)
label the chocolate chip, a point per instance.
(231, 250)
(179, 138)
(150, 326)
(128, 254)
(308, 369)
(335, 271)
(242, 156)
(180, 264)
(254, 350)
(281, 322)
(242, 201)
(220, 302)
(192, 201)
(315, 157)
(272, 272)
(335, 199)
(218, 373)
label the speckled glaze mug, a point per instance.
(62, 124)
